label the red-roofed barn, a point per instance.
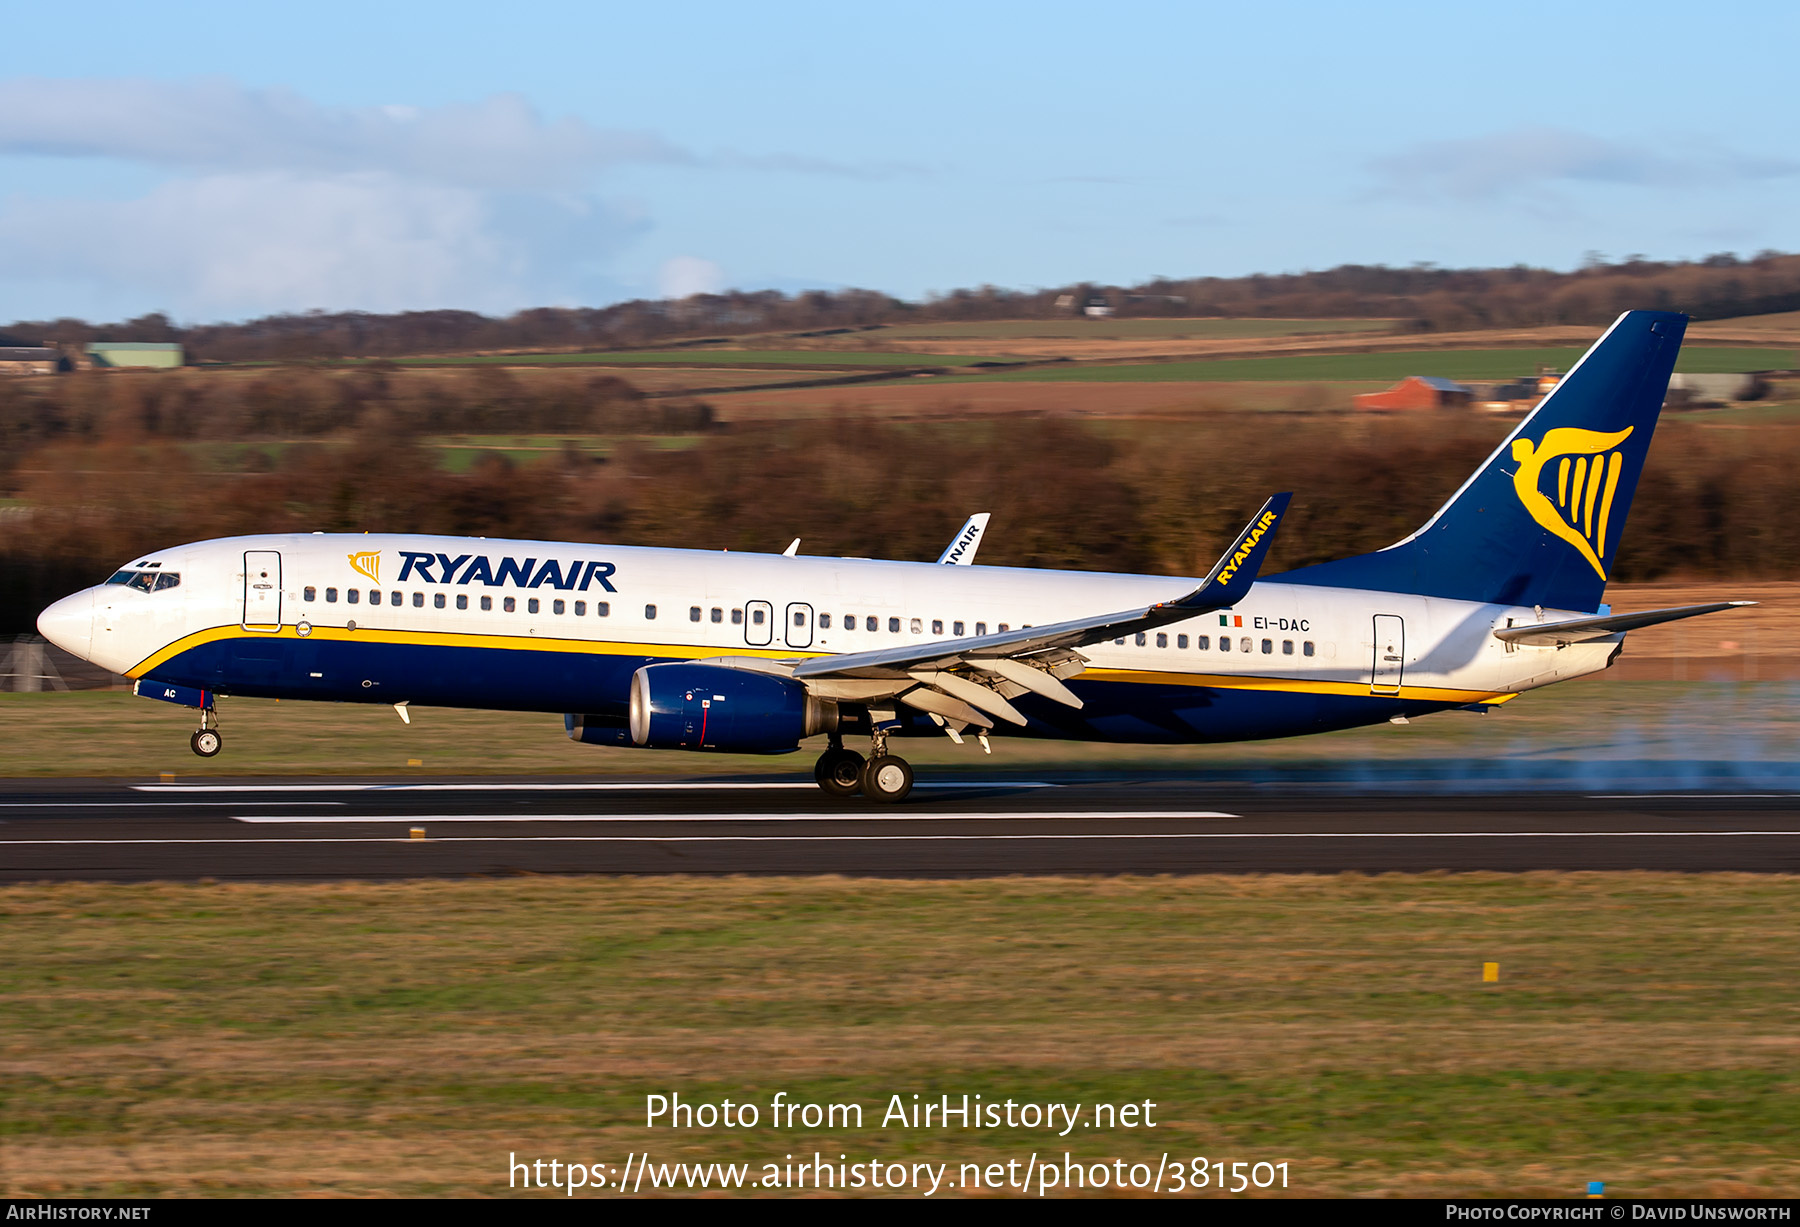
(1418, 392)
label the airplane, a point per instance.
(1498, 593)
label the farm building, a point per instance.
(1417, 392)
(32, 360)
(1692, 389)
(153, 354)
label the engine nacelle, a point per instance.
(715, 707)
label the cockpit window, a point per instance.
(147, 581)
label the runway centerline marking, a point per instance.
(176, 805)
(898, 816)
(605, 787)
(772, 839)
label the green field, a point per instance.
(800, 359)
(407, 1038)
(1472, 364)
(1580, 725)
(1113, 329)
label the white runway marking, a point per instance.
(146, 804)
(606, 787)
(822, 839)
(899, 816)
(1693, 796)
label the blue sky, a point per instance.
(219, 161)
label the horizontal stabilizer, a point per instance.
(1581, 630)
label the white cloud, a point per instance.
(243, 244)
(685, 276)
(1529, 160)
(215, 124)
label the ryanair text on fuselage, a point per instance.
(577, 576)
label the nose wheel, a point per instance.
(206, 742)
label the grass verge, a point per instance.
(406, 1038)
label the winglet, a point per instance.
(962, 547)
(1232, 575)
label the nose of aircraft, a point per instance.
(69, 623)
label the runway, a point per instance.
(336, 829)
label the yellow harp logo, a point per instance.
(369, 563)
(1586, 477)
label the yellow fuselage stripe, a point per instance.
(590, 647)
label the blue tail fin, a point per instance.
(1539, 523)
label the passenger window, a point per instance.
(1306, 649)
(487, 602)
(580, 609)
(1244, 644)
(799, 617)
(374, 596)
(396, 598)
(871, 623)
(557, 607)
(981, 628)
(437, 600)
(758, 616)
(937, 626)
(1162, 640)
(1224, 643)
(824, 622)
(737, 617)
(650, 613)
(1119, 643)
(693, 613)
(1268, 647)
(1003, 627)
(1287, 647)
(353, 596)
(418, 600)
(718, 615)
(1140, 639)
(331, 596)
(462, 600)
(1181, 642)
(956, 628)
(602, 608)
(1203, 643)
(893, 626)
(306, 594)
(918, 627)
(509, 605)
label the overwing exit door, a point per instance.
(799, 625)
(759, 623)
(262, 590)
(1390, 654)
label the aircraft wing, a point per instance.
(960, 679)
(961, 550)
(1580, 630)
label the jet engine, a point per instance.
(715, 707)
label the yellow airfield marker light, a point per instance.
(417, 832)
(1490, 973)
(415, 762)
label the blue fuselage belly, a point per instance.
(564, 681)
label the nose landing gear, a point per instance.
(206, 741)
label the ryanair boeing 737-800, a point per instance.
(1497, 594)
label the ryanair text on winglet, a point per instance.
(1247, 546)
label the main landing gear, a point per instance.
(881, 777)
(206, 741)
